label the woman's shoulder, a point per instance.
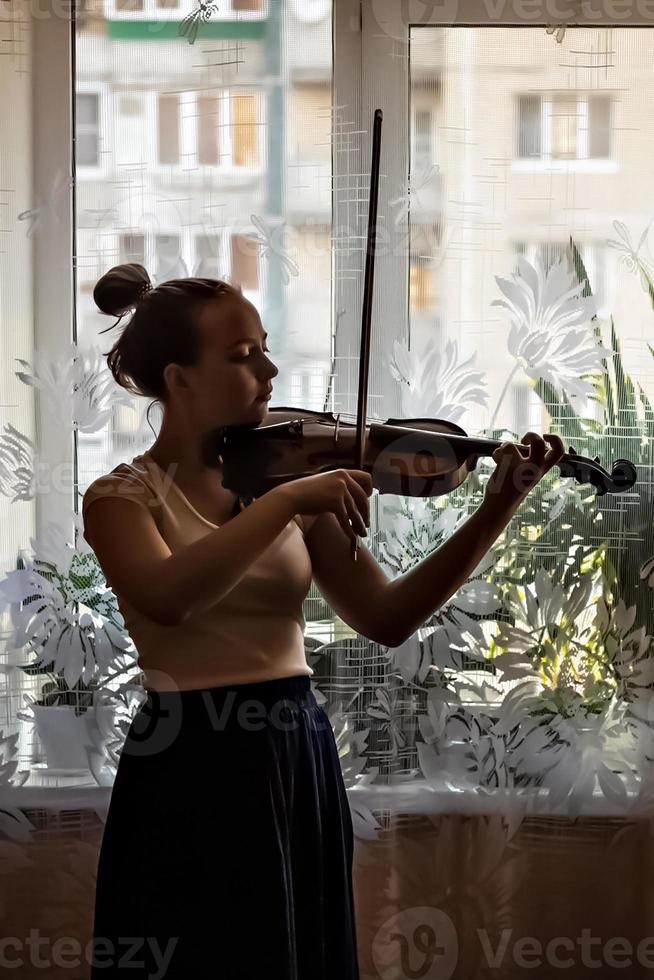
(130, 480)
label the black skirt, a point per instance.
(227, 850)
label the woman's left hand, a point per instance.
(516, 474)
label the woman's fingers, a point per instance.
(360, 501)
(343, 519)
(556, 449)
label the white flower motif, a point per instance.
(434, 383)
(272, 249)
(550, 336)
(565, 491)
(77, 386)
(576, 757)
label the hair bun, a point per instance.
(121, 288)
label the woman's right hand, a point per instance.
(341, 492)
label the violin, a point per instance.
(411, 457)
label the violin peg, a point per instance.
(572, 450)
(596, 459)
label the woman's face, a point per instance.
(234, 370)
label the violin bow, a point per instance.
(366, 310)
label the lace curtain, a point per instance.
(206, 148)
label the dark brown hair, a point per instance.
(162, 329)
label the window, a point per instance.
(176, 9)
(168, 130)
(132, 248)
(88, 129)
(420, 287)
(530, 121)
(563, 125)
(309, 124)
(168, 258)
(207, 257)
(421, 151)
(245, 262)
(599, 126)
(208, 129)
(245, 139)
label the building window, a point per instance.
(208, 128)
(421, 298)
(599, 126)
(133, 5)
(87, 129)
(530, 113)
(132, 249)
(564, 125)
(168, 258)
(167, 4)
(207, 256)
(168, 129)
(245, 136)
(247, 5)
(245, 262)
(421, 150)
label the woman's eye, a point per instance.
(266, 350)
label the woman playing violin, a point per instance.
(229, 789)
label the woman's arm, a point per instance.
(166, 586)
(201, 574)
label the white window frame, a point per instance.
(546, 163)
(370, 70)
(188, 137)
(105, 133)
(381, 72)
(224, 11)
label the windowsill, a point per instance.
(597, 166)
(413, 796)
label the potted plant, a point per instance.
(68, 619)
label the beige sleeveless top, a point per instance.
(254, 633)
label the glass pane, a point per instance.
(87, 149)
(168, 132)
(200, 110)
(599, 126)
(87, 109)
(245, 262)
(207, 256)
(531, 298)
(529, 125)
(565, 117)
(132, 248)
(168, 258)
(245, 135)
(208, 122)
